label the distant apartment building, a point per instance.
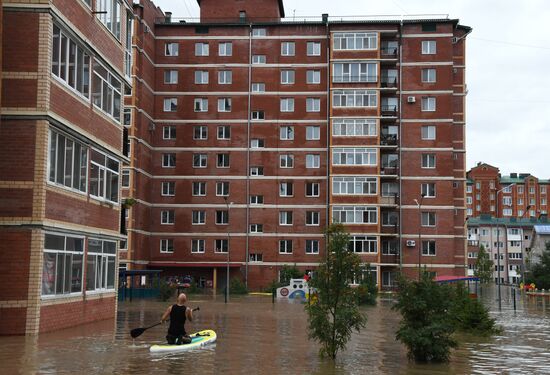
(64, 73)
(249, 134)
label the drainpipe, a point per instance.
(247, 246)
(328, 139)
(399, 145)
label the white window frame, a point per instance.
(170, 105)
(288, 49)
(355, 41)
(287, 104)
(201, 77)
(169, 132)
(286, 218)
(225, 49)
(313, 77)
(169, 160)
(225, 77)
(288, 77)
(167, 217)
(312, 247)
(429, 75)
(313, 104)
(286, 161)
(200, 104)
(167, 246)
(313, 133)
(168, 189)
(198, 246)
(202, 160)
(313, 48)
(428, 132)
(429, 47)
(351, 98)
(223, 132)
(355, 185)
(200, 132)
(429, 104)
(355, 214)
(258, 59)
(313, 218)
(170, 77)
(361, 127)
(286, 133)
(198, 217)
(224, 104)
(171, 49)
(354, 156)
(428, 189)
(313, 161)
(202, 49)
(50, 274)
(198, 189)
(315, 189)
(429, 161)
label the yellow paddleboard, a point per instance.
(200, 339)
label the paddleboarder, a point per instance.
(178, 314)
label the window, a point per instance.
(70, 62)
(428, 248)
(198, 217)
(390, 247)
(200, 132)
(531, 190)
(169, 132)
(288, 48)
(225, 77)
(225, 49)
(108, 12)
(354, 98)
(224, 105)
(222, 217)
(354, 185)
(286, 161)
(167, 217)
(428, 47)
(363, 244)
(106, 91)
(258, 59)
(285, 247)
(285, 218)
(170, 105)
(428, 104)
(100, 265)
(428, 219)
(390, 189)
(314, 48)
(428, 75)
(313, 161)
(312, 189)
(200, 160)
(313, 133)
(221, 246)
(68, 162)
(286, 133)
(198, 246)
(354, 127)
(257, 143)
(507, 201)
(198, 189)
(168, 160)
(354, 156)
(202, 49)
(222, 189)
(287, 104)
(287, 77)
(256, 228)
(255, 257)
(313, 77)
(170, 77)
(428, 160)
(507, 212)
(258, 115)
(312, 247)
(390, 218)
(355, 41)
(201, 105)
(543, 189)
(259, 32)
(469, 188)
(354, 72)
(428, 190)
(171, 49)
(62, 269)
(224, 132)
(286, 189)
(256, 171)
(167, 246)
(354, 214)
(520, 189)
(127, 117)
(256, 199)
(258, 87)
(201, 77)
(104, 172)
(428, 132)
(168, 189)
(222, 161)
(313, 105)
(125, 178)
(469, 200)
(312, 218)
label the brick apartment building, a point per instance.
(64, 74)
(249, 134)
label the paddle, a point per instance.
(138, 331)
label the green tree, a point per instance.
(484, 266)
(426, 327)
(540, 272)
(335, 313)
(367, 291)
(285, 274)
(469, 314)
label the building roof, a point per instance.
(486, 220)
(542, 229)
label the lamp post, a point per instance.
(523, 260)
(498, 244)
(419, 204)
(228, 205)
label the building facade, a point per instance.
(249, 134)
(64, 74)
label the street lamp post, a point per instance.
(419, 204)
(498, 244)
(228, 205)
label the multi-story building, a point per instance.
(63, 79)
(249, 134)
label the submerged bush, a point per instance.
(470, 315)
(237, 286)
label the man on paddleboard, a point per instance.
(178, 313)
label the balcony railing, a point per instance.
(388, 110)
(389, 51)
(388, 139)
(390, 82)
(389, 170)
(352, 79)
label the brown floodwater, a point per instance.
(258, 337)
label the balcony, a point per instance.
(388, 140)
(388, 110)
(354, 79)
(389, 171)
(389, 199)
(388, 82)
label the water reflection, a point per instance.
(255, 336)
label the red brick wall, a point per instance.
(14, 264)
(20, 41)
(259, 10)
(13, 321)
(16, 165)
(19, 93)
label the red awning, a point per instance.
(191, 265)
(450, 279)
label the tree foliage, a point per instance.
(540, 272)
(469, 314)
(367, 291)
(335, 313)
(484, 266)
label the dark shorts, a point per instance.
(178, 340)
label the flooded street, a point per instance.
(256, 336)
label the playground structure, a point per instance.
(297, 289)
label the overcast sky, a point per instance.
(508, 62)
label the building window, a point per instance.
(258, 87)
(313, 77)
(224, 132)
(63, 265)
(469, 200)
(314, 48)
(355, 41)
(170, 105)
(222, 188)
(285, 218)
(104, 172)
(363, 244)
(221, 246)
(167, 246)
(258, 115)
(257, 143)
(354, 98)
(201, 77)
(222, 217)
(201, 105)
(286, 133)
(313, 218)
(428, 248)
(286, 189)
(125, 183)
(108, 12)
(259, 32)
(287, 104)
(429, 75)
(354, 215)
(256, 199)
(198, 217)
(202, 49)
(428, 132)
(543, 189)
(200, 160)
(429, 47)
(106, 91)
(225, 49)
(167, 217)
(198, 188)
(285, 247)
(198, 246)
(428, 190)
(200, 132)
(68, 162)
(171, 49)
(168, 160)
(313, 133)
(256, 228)
(222, 161)
(428, 104)
(169, 132)
(354, 127)
(312, 247)
(100, 265)
(354, 72)
(287, 77)
(313, 105)
(313, 161)
(225, 77)
(255, 257)
(288, 48)
(507, 212)
(286, 161)
(354, 156)
(168, 189)
(390, 218)
(170, 77)
(428, 161)
(312, 189)
(428, 219)
(258, 59)
(224, 105)
(354, 185)
(256, 171)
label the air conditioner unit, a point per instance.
(411, 99)
(411, 243)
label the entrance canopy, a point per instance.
(454, 279)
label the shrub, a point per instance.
(165, 290)
(470, 315)
(237, 286)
